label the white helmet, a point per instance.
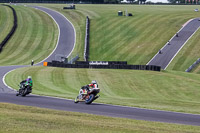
(94, 82)
(29, 77)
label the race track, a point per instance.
(171, 49)
(8, 95)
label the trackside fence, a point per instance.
(3, 43)
(104, 65)
(193, 65)
(87, 36)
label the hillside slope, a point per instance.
(33, 39)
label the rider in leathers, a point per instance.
(93, 84)
(28, 82)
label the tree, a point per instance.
(176, 1)
(141, 1)
(131, 1)
(112, 1)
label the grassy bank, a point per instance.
(169, 90)
(6, 21)
(197, 69)
(34, 39)
(17, 118)
(134, 39)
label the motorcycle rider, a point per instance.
(28, 83)
(87, 89)
(90, 86)
(93, 84)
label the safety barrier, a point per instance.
(73, 59)
(101, 62)
(104, 65)
(69, 7)
(3, 43)
(193, 65)
(87, 35)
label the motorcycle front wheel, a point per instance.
(76, 100)
(24, 92)
(89, 99)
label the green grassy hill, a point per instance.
(197, 69)
(33, 39)
(6, 21)
(134, 39)
(169, 90)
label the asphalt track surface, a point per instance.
(171, 49)
(8, 95)
(66, 38)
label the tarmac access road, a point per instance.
(66, 38)
(7, 94)
(175, 44)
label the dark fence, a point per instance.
(104, 65)
(101, 62)
(3, 43)
(87, 37)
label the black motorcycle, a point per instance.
(24, 89)
(87, 95)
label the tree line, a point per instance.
(92, 1)
(71, 1)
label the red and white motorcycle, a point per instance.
(87, 95)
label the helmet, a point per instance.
(94, 82)
(29, 77)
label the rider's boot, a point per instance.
(96, 97)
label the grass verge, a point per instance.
(17, 118)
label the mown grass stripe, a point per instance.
(6, 21)
(123, 52)
(117, 32)
(21, 51)
(16, 41)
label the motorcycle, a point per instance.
(24, 90)
(87, 95)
